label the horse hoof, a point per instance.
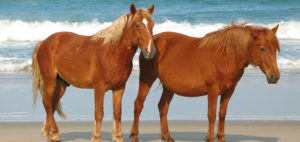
(96, 139)
(210, 140)
(118, 139)
(134, 138)
(169, 139)
(221, 139)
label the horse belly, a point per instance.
(185, 88)
(77, 80)
(76, 73)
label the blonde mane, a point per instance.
(233, 39)
(113, 32)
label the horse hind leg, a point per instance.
(163, 106)
(54, 90)
(60, 89)
(49, 124)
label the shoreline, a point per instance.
(188, 131)
(253, 99)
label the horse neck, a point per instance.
(235, 64)
(124, 50)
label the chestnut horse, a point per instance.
(211, 65)
(102, 61)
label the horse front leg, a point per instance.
(138, 107)
(212, 106)
(147, 77)
(99, 96)
(163, 106)
(117, 105)
(222, 113)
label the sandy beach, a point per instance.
(182, 131)
(258, 112)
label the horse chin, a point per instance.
(149, 55)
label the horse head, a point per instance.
(263, 52)
(141, 30)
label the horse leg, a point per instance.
(147, 77)
(212, 106)
(58, 93)
(117, 105)
(222, 113)
(138, 107)
(163, 106)
(48, 101)
(99, 96)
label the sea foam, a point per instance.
(18, 30)
(23, 35)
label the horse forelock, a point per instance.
(113, 33)
(269, 35)
(140, 15)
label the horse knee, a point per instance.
(117, 116)
(162, 111)
(138, 107)
(222, 116)
(99, 116)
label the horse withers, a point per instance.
(211, 65)
(102, 61)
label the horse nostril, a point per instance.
(273, 76)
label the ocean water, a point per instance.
(25, 22)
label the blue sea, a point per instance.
(25, 22)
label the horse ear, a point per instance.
(275, 28)
(151, 9)
(254, 33)
(132, 9)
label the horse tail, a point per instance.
(37, 79)
(60, 112)
(38, 83)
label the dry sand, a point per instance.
(182, 131)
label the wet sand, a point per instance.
(182, 131)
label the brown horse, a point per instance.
(211, 65)
(102, 61)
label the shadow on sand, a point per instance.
(181, 136)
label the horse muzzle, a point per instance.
(149, 54)
(273, 79)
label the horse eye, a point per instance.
(262, 49)
(137, 25)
